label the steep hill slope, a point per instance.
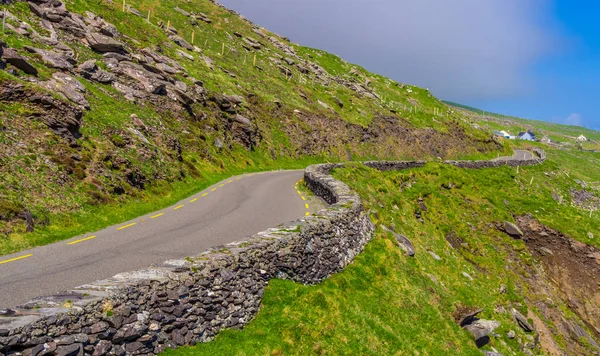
(112, 109)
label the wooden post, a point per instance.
(4, 20)
(148, 19)
(223, 49)
(245, 57)
(123, 5)
(531, 182)
(255, 60)
(193, 33)
(168, 25)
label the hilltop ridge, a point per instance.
(133, 105)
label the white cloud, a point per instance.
(461, 49)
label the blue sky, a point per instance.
(566, 80)
(536, 59)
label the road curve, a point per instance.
(518, 155)
(225, 212)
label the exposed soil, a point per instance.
(568, 274)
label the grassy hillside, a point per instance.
(386, 303)
(191, 95)
(556, 132)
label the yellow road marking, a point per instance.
(229, 181)
(78, 241)
(157, 216)
(222, 185)
(307, 213)
(205, 194)
(193, 200)
(214, 189)
(126, 226)
(238, 178)
(15, 259)
(303, 198)
(178, 207)
(306, 205)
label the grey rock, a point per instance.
(183, 12)
(435, 257)
(289, 61)
(181, 42)
(70, 350)
(467, 276)
(218, 143)
(544, 251)
(480, 329)
(513, 230)
(101, 43)
(69, 81)
(53, 59)
(242, 120)
(11, 57)
(522, 321)
(511, 334)
(403, 241)
(102, 348)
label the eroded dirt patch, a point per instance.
(569, 273)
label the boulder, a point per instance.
(11, 57)
(69, 90)
(181, 42)
(69, 81)
(153, 83)
(480, 329)
(403, 241)
(53, 59)
(289, 61)
(101, 43)
(513, 230)
(522, 321)
(242, 120)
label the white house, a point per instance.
(582, 138)
(527, 136)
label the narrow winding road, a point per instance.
(226, 212)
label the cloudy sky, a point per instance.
(529, 58)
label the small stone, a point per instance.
(590, 235)
(511, 334)
(468, 276)
(544, 251)
(513, 230)
(435, 257)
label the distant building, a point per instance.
(582, 138)
(504, 134)
(527, 136)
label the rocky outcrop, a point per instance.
(12, 57)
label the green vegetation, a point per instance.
(386, 303)
(123, 167)
(556, 132)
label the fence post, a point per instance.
(193, 33)
(4, 20)
(148, 19)
(123, 5)
(255, 60)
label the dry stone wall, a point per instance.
(182, 302)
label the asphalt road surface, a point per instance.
(521, 155)
(228, 211)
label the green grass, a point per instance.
(386, 303)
